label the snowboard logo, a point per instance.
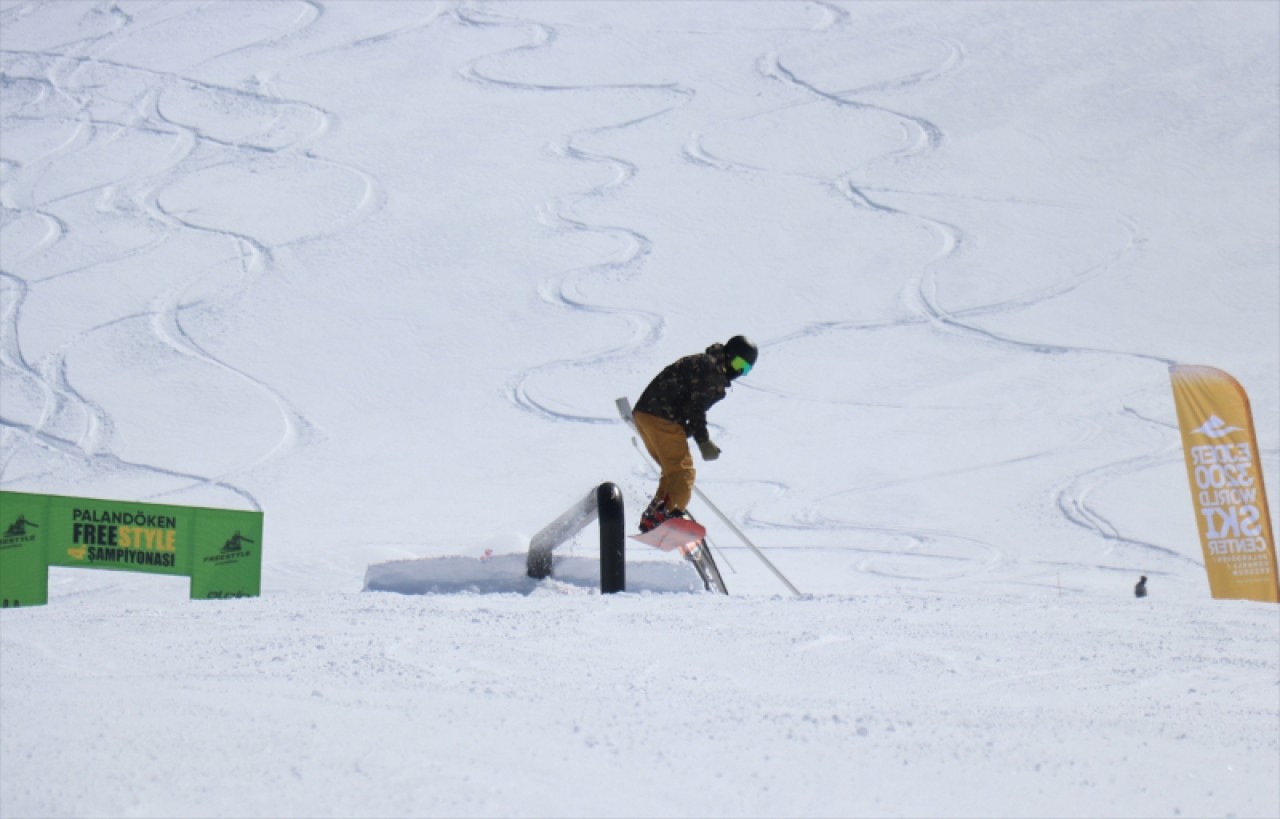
(232, 550)
(19, 527)
(235, 543)
(18, 534)
(1215, 427)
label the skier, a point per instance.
(673, 408)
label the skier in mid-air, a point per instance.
(673, 408)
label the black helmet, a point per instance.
(741, 347)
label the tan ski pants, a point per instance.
(669, 446)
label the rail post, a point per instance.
(603, 502)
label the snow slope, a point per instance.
(380, 268)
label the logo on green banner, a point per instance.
(17, 530)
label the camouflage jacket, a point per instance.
(685, 390)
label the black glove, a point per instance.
(709, 450)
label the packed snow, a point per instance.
(380, 269)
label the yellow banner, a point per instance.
(1225, 472)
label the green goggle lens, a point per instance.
(740, 364)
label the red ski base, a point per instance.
(674, 534)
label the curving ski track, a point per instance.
(564, 290)
(70, 423)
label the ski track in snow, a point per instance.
(564, 290)
(140, 195)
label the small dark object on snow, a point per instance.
(1140, 590)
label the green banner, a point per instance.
(219, 549)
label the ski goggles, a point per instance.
(740, 365)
